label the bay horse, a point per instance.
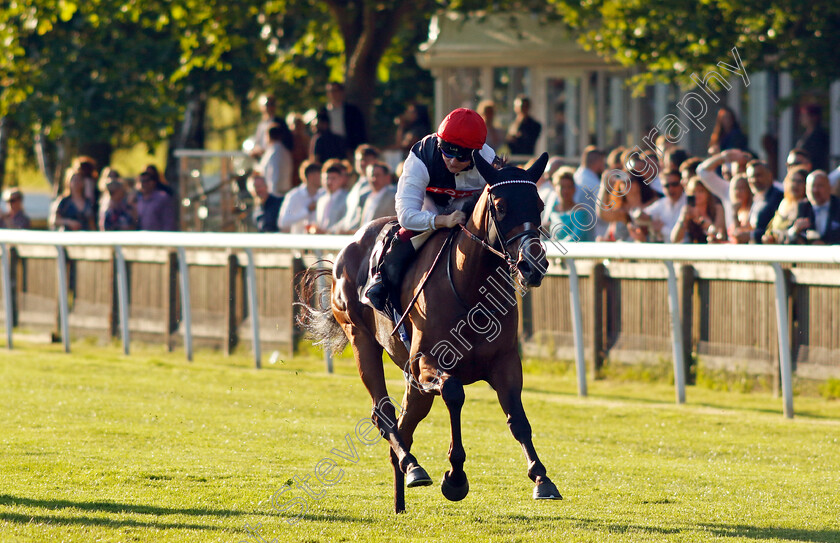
(463, 327)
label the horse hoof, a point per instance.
(452, 492)
(546, 491)
(417, 476)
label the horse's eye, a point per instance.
(501, 210)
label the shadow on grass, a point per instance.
(761, 533)
(768, 533)
(106, 522)
(111, 507)
(595, 524)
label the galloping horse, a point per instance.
(462, 328)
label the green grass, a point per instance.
(96, 446)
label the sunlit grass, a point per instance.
(97, 446)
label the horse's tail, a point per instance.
(315, 315)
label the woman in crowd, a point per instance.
(778, 229)
(742, 198)
(726, 133)
(118, 214)
(567, 223)
(621, 206)
(702, 218)
(74, 211)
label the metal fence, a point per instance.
(622, 301)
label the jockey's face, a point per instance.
(454, 165)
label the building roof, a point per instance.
(503, 39)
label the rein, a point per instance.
(446, 244)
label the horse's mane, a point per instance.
(467, 205)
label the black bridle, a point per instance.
(504, 254)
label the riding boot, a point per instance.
(389, 274)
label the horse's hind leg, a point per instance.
(509, 391)
(455, 486)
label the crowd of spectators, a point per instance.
(662, 194)
(94, 200)
(328, 180)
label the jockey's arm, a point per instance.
(411, 193)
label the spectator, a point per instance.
(614, 158)
(365, 155)
(87, 168)
(524, 131)
(412, 125)
(588, 174)
(741, 199)
(664, 213)
(381, 202)
(300, 146)
(300, 203)
(332, 205)
(267, 209)
(152, 170)
(833, 178)
(545, 185)
(14, 218)
(345, 120)
(117, 213)
(588, 183)
(566, 220)
(268, 118)
(701, 219)
(727, 132)
(276, 163)
(781, 228)
(495, 136)
(766, 199)
(799, 158)
(155, 209)
(822, 220)
(716, 184)
(74, 211)
(673, 158)
(620, 206)
(815, 138)
(688, 169)
(325, 144)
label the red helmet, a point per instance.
(464, 128)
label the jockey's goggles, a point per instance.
(450, 150)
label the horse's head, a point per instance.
(515, 208)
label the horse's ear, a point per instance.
(487, 171)
(538, 168)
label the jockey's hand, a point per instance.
(448, 221)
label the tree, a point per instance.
(671, 39)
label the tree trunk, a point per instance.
(46, 159)
(367, 31)
(189, 135)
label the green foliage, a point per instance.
(660, 371)
(830, 389)
(674, 38)
(731, 381)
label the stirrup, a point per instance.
(376, 293)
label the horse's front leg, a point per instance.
(455, 485)
(508, 385)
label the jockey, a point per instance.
(438, 177)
